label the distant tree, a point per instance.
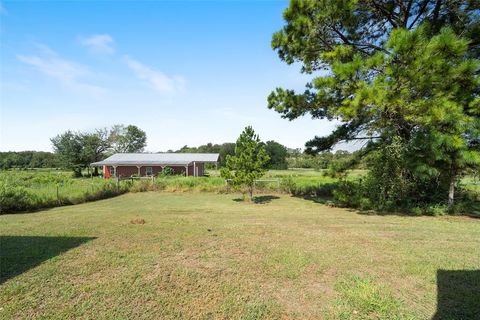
(222, 149)
(249, 162)
(27, 159)
(128, 139)
(42, 159)
(277, 154)
(209, 148)
(187, 149)
(95, 146)
(226, 149)
(294, 152)
(69, 148)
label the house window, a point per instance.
(148, 171)
(112, 171)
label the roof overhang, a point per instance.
(157, 159)
(142, 163)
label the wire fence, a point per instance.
(262, 184)
(70, 190)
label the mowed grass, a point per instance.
(207, 256)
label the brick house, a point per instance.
(151, 164)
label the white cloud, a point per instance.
(158, 80)
(68, 73)
(99, 43)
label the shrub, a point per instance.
(436, 210)
(307, 188)
(288, 185)
(167, 171)
(13, 198)
(142, 186)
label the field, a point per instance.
(45, 183)
(209, 256)
(36, 189)
(30, 190)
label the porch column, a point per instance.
(138, 167)
(103, 171)
(114, 171)
(194, 171)
(186, 171)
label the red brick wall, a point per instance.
(127, 171)
(155, 170)
(200, 169)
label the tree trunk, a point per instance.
(451, 191)
(250, 191)
(96, 172)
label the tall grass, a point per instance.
(30, 190)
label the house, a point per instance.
(151, 164)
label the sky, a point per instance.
(185, 72)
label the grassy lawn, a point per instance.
(205, 255)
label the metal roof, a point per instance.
(157, 159)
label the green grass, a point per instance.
(27, 190)
(206, 256)
(35, 189)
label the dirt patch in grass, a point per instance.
(137, 221)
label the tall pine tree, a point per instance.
(394, 73)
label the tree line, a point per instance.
(76, 150)
(28, 159)
(277, 153)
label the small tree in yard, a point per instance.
(249, 162)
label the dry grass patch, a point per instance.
(137, 221)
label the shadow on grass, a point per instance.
(258, 199)
(458, 294)
(18, 254)
(320, 200)
(264, 199)
(329, 201)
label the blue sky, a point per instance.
(187, 72)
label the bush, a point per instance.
(14, 198)
(437, 210)
(142, 186)
(167, 171)
(307, 188)
(391, 185)
(361, 194)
